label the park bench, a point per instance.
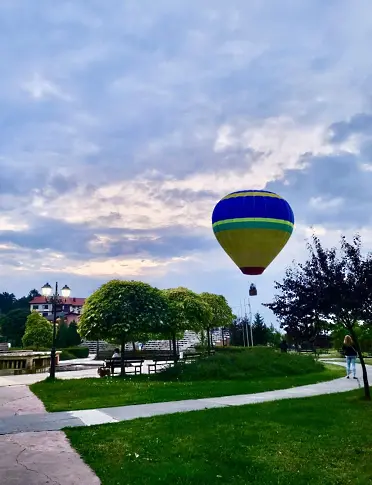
(159, 361)
(134, 365)
(137, 354)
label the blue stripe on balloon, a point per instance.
(252, 206)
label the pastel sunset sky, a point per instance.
(124, 122)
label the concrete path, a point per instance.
(37, 458)
(60, 420)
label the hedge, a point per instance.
(78, 352)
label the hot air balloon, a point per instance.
(252, 226)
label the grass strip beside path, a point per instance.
(325, 440)
(77, 394)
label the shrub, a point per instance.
(66, 355)
(252, 363)
(78, 352)
(231, 349)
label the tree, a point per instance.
(121, 310)
(186, 311)
(38, 333)
(24, 301)
(363, 332)
(13, 326)
(221, 313)
(73, 337)
(260, 331)
(238, 332)
(331, 288)
(275, 337)
(7, 301)
(62, 335)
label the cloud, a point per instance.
(124, 123)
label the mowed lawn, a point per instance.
(324, 440)
(75, 394)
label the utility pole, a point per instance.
(250, 319)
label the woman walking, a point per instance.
(351, 355)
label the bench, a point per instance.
(134, 365)
(153, 368)
(135, 355)
(160, 360)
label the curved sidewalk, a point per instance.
(60, 420)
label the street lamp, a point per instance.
(56, 300)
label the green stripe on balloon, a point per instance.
(279, 226)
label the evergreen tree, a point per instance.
(73, 337)
(260, 331)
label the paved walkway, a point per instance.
(60, 420)
(45, 458)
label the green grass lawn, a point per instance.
(75, 394)
(324, 440)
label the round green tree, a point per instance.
(38, 333)
(221, 313)
(123, 310)
(186, 311)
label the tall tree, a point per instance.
(13, 326)
(239, 332)
(121, 310)
(7, 301)
(62, 334)
(221, 313)
(24, 301)
(275, 337)
(260, 331)
(73, 337)
(38, 333)
(187, 311)
(333, 286)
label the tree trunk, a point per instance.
(174, 346)
(209, 340)
(134, 346)
(223, 336)
(367, 392)
(122, 356)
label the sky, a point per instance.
(124, 123)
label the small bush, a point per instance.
(231, 348)
(78, 352)
(65, 355)
(252, 363)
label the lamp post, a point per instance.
(55, 300)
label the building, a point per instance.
(70, 308)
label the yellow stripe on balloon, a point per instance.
(253, 248)
(252, 194)
(256, 219)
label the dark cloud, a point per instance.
(342, 130)
(324, 180)
(77, 240)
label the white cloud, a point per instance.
(39, 88)
(170, 96)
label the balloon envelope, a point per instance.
(252, 226)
